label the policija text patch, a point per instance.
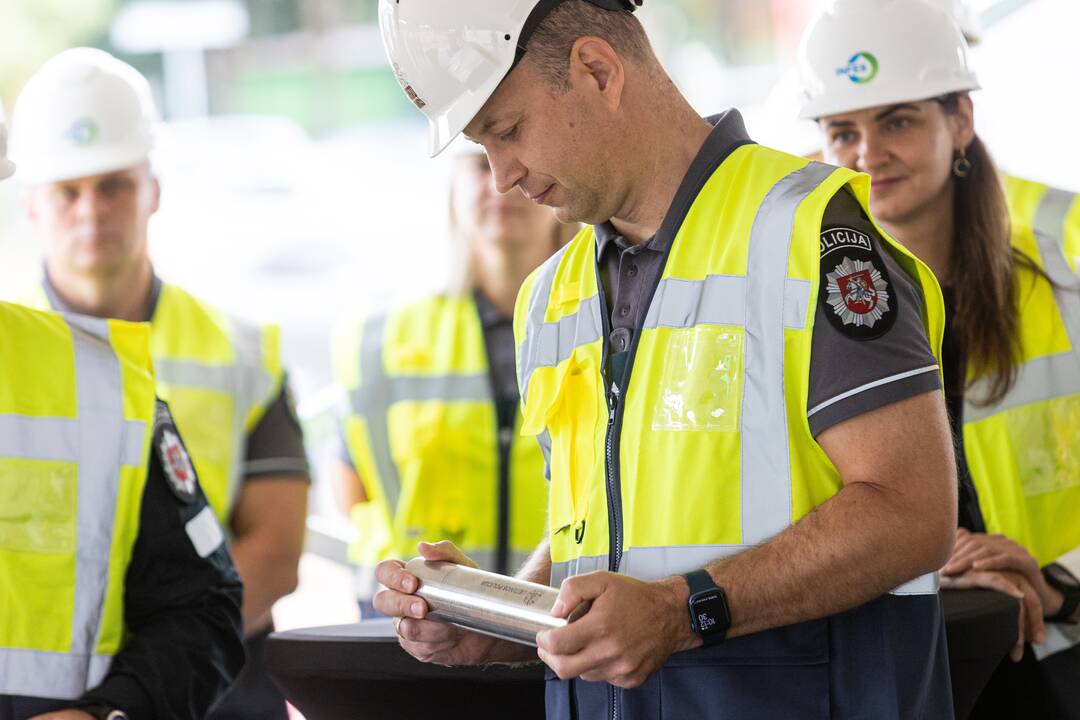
(855, 284)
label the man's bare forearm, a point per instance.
(842, 555)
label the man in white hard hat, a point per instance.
(732, 375)
(119, 597)
(82, 129)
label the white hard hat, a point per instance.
(82, 113)
(859, 54)
(964, 16)
(7, 168)
(451, 55)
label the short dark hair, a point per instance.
(549, 47)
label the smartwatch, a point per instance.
(1058, 577)
(710, 617)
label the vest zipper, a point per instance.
(611, 440)
(502, 547)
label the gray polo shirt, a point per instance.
(869, 345)
(275, 446)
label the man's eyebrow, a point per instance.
(491, 123)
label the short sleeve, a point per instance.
(870, 348)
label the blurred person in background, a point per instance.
(1051, 211)
(118, 595)
(82, 129)
(431, 435)
(901, 111)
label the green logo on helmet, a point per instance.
(83, 132)
(861, 68)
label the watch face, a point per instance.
(710, 613)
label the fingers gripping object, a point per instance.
(486, 602)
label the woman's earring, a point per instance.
(961, 166)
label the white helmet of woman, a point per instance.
(964, 16)
(858, 54)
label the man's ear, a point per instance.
(595, 67)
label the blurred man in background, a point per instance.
(83, 128)
(119, 597)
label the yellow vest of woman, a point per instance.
(421, 428)
(1048, 210)
(76, 420)
(1024, 452)
(710, 451)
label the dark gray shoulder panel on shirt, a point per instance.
(869, 347)
(275, 446)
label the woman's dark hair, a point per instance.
(984, 275)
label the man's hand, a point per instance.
(629, 632)
(979, 551)
(427, 640)
(64, 715)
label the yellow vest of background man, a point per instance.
(219, 376)
(1048, 210)
(76, 420)
(710, 453)
(422, 431)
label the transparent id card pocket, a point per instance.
(701, 385)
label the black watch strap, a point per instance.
(1065, 583)
(710, 617)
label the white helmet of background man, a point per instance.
(965, 17)
(7, 168)
(859, 54)
(83, 113)
(451, 55)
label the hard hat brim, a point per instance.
(7, 168)
(86, 163)
(825, 107)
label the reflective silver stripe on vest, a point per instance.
(1052, 212)
(1050, 376)
(91, 442)
(245, 380)
(539, 334)
(378, 391)
(718, 300)
(766, 467)
(654, 563)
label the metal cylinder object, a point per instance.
(486, 602)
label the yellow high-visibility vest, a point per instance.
(422, 431)
(76, 422)
(711, 447)
(1024, 451)
(1048, 210)
(219, 375)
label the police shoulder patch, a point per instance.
(856, 292)
(174, 457)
